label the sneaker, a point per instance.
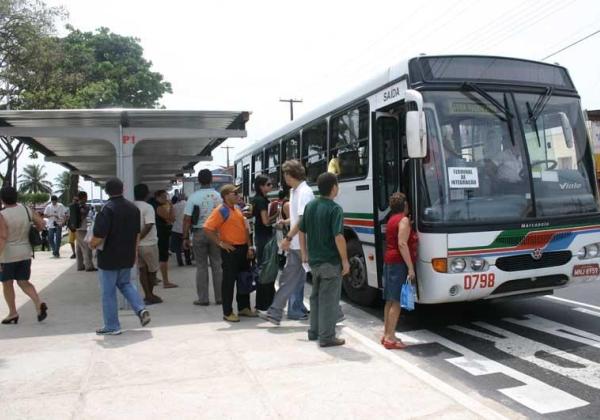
(105, 331)
(144, 317)
(303, 317)
(247, 313)
(198, 303)
(335, 342)
(265, 315)
(231, 318)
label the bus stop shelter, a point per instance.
(152, 146)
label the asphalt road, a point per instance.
(539, 356)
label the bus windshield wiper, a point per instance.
(489, 97)
(536, 111)
(539, 105)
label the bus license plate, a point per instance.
(586, 270)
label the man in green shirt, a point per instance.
(322, 233)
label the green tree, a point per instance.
(34, 198)
(39, 70)
(34, 180)
(24, 24)
(63, 187)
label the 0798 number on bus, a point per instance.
(482, 281)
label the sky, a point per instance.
(245, 56)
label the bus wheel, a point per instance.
(355, 284)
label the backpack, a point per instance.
(269, 267)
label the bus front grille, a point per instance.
(554, 280)
(527, 262)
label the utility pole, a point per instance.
(291, 101)
(227, 148)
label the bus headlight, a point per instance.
(477, 264)
(592, 250)
(458, 265)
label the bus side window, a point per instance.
(349, 143)
(314, 150)
(257, 167)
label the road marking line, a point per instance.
(581, 370)
(587, 311)
(574, 302)
(534, 394)
(460, 397)
(556, 328)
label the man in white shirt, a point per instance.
(56, 214)
(293, 276)
(148, 263)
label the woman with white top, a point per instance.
(16, 252)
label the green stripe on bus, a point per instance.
(513, 237)
(368, 216)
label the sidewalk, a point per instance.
(189, 364)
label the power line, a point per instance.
(571, 44)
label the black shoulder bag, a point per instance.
(34, 235)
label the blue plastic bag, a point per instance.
(407, 296)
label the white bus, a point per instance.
(494, 156)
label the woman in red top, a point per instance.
(398, 265)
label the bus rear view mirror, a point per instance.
(567, 129)
(416, 138)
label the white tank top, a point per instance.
(17, 246)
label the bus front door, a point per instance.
(386, 174)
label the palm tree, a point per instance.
(34, 180)
(63, 187)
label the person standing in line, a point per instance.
(116, 236)
(197, 209)
(16, 252)
(79, 220)
(165, 216)
(147, 251)
(263, 232)
(177, 248)
(323, 247)
(293, 276)
(234, 240)
(72, 235)
(56, 214)
(398, 266)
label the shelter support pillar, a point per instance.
(125, 166)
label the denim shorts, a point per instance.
(394, 276)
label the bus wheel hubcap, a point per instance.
(356, 277)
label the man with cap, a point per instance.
(56, 214)
(226, 227)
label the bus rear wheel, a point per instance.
(355, 284)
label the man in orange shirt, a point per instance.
(234, 240)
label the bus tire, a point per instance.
(355, 284)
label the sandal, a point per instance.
(394, 345)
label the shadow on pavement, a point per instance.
(125, 339)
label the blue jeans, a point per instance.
(110, 280)
(296, 307)
(54, 239)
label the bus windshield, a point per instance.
(496, 156)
